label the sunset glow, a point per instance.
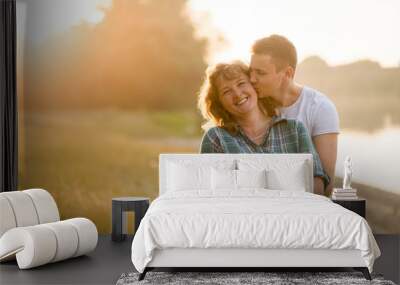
(338, 31)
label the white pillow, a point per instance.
(188, 177)
(251, 178)
(293, 179)
(227, 179)
(223, 179)
(290, 174)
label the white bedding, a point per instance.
(252, 218)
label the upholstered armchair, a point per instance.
(31, 230)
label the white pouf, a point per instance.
(31, 232)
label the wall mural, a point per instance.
(104, 87)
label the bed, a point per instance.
(247, 210)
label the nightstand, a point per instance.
(357, 206)
(120, 205)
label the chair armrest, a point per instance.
(40, 244)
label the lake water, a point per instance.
(376, 157)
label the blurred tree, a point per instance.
(143, 54)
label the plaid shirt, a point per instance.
(284, 136)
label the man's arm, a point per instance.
(318, 186)
(306, 146)
(326, 146)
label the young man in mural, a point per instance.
(272, 69)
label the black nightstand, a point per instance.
(357, 206)
(124, 204)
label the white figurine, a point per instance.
(348, 172)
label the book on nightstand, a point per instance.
(344, 194)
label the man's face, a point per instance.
(265, 78)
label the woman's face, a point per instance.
(237, 96)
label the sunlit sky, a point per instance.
(339, 31)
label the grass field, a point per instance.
(86, 158)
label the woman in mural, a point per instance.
(238, 123)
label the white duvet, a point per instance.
(253, 218)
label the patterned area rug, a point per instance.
(225, 278)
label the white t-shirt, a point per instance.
(315, 110)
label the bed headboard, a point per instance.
(270, 160)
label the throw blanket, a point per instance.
(251, 218)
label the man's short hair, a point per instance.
(279, 48)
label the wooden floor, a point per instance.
(111, 259)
